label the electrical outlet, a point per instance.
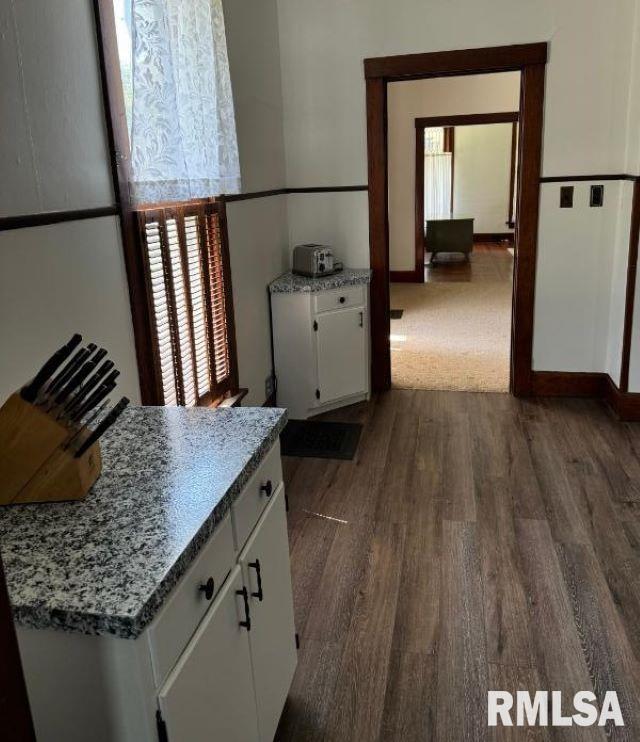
(597, 195)
(566, 197)
(269, 386)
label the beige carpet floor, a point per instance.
(453, 336)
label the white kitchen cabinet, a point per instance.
(341, 349)
(266, 572)
(321, 343)
(195, 672)
(209, 694)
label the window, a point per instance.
(174, 151)
(187, 277)
(438, 172)
(177, 96)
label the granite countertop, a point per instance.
(105, 564)
(289, 283)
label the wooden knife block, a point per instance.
(34, 467)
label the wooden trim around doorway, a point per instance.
(448, 123)
(511, 216)
(632, 269)
(472, 119)
(530, 60)
(459, 62)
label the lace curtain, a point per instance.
(183, 132)
(437, 185)
(433, 140)
(437, 175)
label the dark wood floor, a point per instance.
(476, 542)
(489, 261)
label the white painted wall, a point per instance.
(254, 61)
(69, 277)
(53, 150)
(323, 46)
(407, 101)
(632, 162)
(575, 273)
(322, 49)
(258, 242)
(481, 175)
(60, 279)
(258, 239)
(337, 219)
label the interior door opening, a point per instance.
(451, 315)
(527, 59)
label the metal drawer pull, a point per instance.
(256, 565)
(267, 488)
(361, 319)
(247, 616)
(208, 588)
(342, 300)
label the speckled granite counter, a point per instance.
(105, 564)
(290, 283)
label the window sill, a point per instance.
(232, 400)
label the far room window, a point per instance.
(177, 155)
(438, 172)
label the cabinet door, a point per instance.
(209, 694)
(267, 575)
(341, 353)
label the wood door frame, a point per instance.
(446, 122)
(512, 216)
(530, 61)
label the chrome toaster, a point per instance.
(314, 260)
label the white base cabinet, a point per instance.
(321, 349)
(265, 570)
(209, 695)
(211, 668)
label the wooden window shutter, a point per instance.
(185, 255)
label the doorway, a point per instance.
(451, 316)
(530, 60)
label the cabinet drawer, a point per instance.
(350, 296)
(247, 509)
(187, 604)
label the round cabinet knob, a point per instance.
(342, 300)
(267, 488)
(207, 588)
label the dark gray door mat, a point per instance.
(396, 313)
(320, 440)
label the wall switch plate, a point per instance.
(597, 195)
(566, 197)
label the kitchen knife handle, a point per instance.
(30, 391)
(100, 393)
(88, 386)
(67, 372)
(105, 423)
(80, 376)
